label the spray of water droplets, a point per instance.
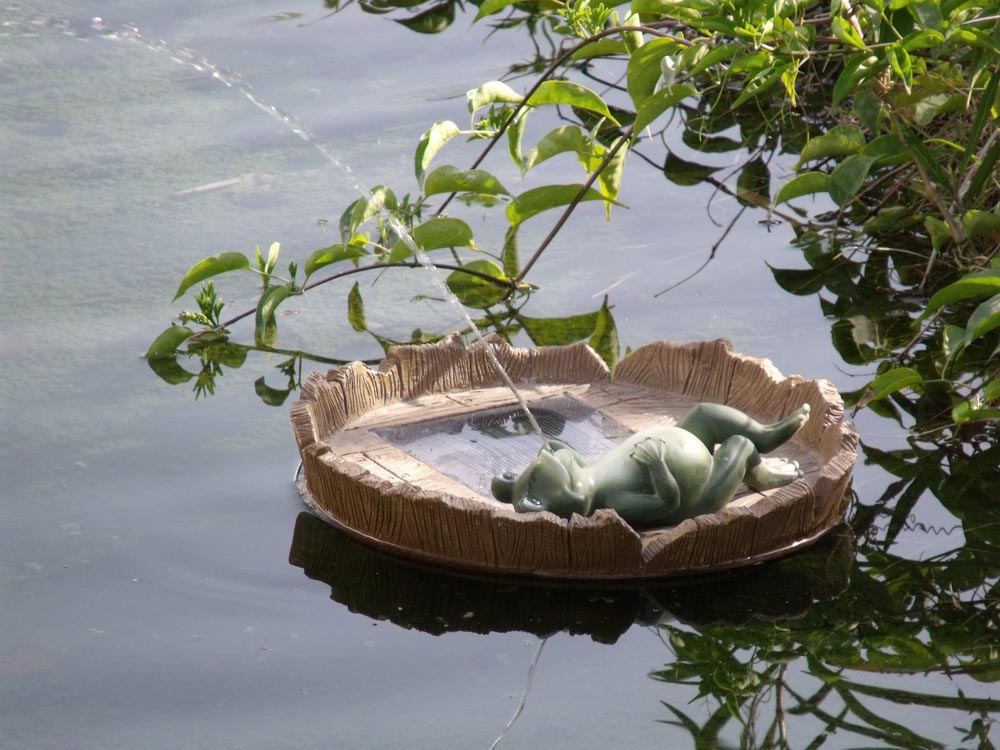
(186, 56)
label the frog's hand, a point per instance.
(652, 454)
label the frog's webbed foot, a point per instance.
(773, 435)
(771, 473)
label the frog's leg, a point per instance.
(730, 463)
(714, 423)
(733, 460)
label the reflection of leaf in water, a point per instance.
(169, 370)
(270, 396)
(431, 21)
(753, 186)
(685, 173)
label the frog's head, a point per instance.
(545, 485)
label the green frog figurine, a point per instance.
(662, 475)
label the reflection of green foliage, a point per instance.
(899, 616)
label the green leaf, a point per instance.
(966, 411)
(535, 201)
(806, 183)
(992, 391)
(848, 177)
(984, 284)
(656, 104)
(430, 143)
(888, 219)
(939, 231)
(952, 341)
(714, 56)
(887, 150)
(365, 208)
(980, 222)
(509, 257)
(610, 178)
(922, 39)
(984, 319)
(605, 47)
(165, 345)
(890, 382)
(644, 68)
(899, 58)
(473, 291)
(434, 234)
(559, 331)
(356, 309)
(515, 134)
(633, 40)
(858, 69)
(326, 256)
(492, 92)
(212, 266)
(604, 341)
(489, 7)
(753, 186)
(558, 141)
(842, 140)
(448, 179)
(572, 95)
(846, 33)
(686, 173)
(434, 20)
(264, 321)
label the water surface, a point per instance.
(147, 596)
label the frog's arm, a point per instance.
(555, 444)
(652, 454)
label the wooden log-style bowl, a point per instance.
(362, 483)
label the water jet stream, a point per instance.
(186, 56)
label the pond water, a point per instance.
(146, 593)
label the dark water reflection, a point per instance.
(437, 602)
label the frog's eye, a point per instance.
(503, 486)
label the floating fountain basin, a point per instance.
(401, 457)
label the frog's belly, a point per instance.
(688, 459)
